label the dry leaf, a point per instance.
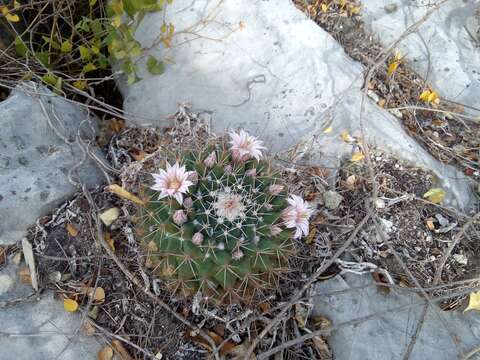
(98, 295)
(473, 302)
(70, 305)
(430, 225)
(110, 215)
(435, 195)
(346, 137)
(88, 329)
(311, 236)
(226, 348)
(121, 192)
(357, 156)
(139, 155)
(109, 240)
(24, 275)
(382, 102)
(120, 349)
(72, 230)
(350, 182)
(430, 96)
(105, 354)
(328, 130)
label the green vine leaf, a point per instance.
(154, 66)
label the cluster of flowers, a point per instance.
(174, 181)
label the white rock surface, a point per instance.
(264, 66)
(388, 335)
(40, 329)
(442, 50)
(34, 161)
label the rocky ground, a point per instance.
(337, 90)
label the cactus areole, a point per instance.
(220, 221)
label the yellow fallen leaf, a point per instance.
(72, 230)
(324, 8)
(346, 136)
(328, 130)
(435, 195)
(105, 354)
(433, 98)
(355, 10)
(110, 215)
(12, 17)
(70, 305)
(392, 67)
(357, 156)
(121, 192)
(424, 95)
(473, 302)
(98, 295)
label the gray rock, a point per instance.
(332, 199)
(442, 50)
(387, 336)
(39, 329)
(34, 160)
(264, 66)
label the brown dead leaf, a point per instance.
(380, 279)
(116, 125)
(88, 329)
(24, 275)
(227, 347)
(322, 347)
(105, 354)
(121, 192)
(311, 235)
(109, 240)
(350, 182)
(382, 102)
(264, 307)
(138, 155)
(120, 350)
(72, 230)
(430, 224)
(3, 255)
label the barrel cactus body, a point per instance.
(220, 221)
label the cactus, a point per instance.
(219, 223)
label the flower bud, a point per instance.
(197, 239)
(275, 230)
(188, 203)
(211, 160)
(237, 254)
(179, 217)
(251, 172)
(193, 177)
(275, 189)
(228, 169)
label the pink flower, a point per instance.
(172, 182)
(197, 239)
(296, 215)
(245, 146)
(228, 169)
(179, 217)
(210, 160)
(275, 189)
(251, 172)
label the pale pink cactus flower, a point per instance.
(210, 160)
(228, 169)
(172, 182)
(245, 146)
(275, 189)
(193, 177)
(197, 239)
(296, 216)
(251, 172)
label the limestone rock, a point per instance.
(34, 160)
(264, 66)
